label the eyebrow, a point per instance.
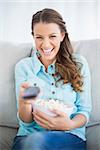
(42, 35)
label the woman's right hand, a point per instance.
(25, 106)
(23, 87)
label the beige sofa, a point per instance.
(10, 53)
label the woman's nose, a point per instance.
(46, 44)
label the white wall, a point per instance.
(81, 16)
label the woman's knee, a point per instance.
(35, 141)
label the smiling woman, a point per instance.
(47, 39)
(66, 78)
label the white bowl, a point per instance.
(47, 106)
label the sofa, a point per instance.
(10, 54)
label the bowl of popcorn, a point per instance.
(47, 106)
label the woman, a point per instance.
(61, 75)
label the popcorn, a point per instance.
(47, 106)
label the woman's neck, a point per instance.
(46, 63)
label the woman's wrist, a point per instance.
(78, 121)
(25, 111)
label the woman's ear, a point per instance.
(62, 36)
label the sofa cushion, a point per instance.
(6, 137)
(93, 138)
(9, 55)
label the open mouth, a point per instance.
(47, 51)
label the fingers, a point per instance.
(59, 113)
(39, 120)
(22, 89)
(24, 86)
(42, 119)
(42, 115)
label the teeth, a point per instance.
(47, 50)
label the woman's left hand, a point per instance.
(59, 122)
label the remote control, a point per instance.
(31, 92)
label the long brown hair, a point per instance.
(66, 64)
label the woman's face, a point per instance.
(48, 37)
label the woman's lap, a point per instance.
(50, 140)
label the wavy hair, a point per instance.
(66, 64)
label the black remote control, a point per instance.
(31, 92)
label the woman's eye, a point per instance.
(53, 36)
(38, 37)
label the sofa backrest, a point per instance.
(91, 50)
(11, 53)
